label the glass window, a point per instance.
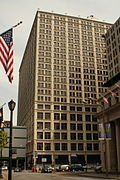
(88, 117)
(96, 146)
(47, 116)
(56, 116)
(79, 117)
(80, 136)
(39, 115)
(88, 127)
(95, 136)
(56, 126)
(72, 117)
(47, 125)
(39, 135)
(56, 135)
(39, 146)
(63, 126)
(89, 146)
(57, 146)
(88, 136)
(72, 126)
(40, 106)
(39, 125)
(73, 136)
(47, 106)
(64, 146)
(79, 127)
(63, 116)
(80, 146)
(63, 107)
(63, 135)
(47, 146)
(73, 146)
(47, 135)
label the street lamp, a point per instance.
(11, 106)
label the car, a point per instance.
(65, 167)
(17, 169)
(46, 170)
(4, 168)
(76, 167)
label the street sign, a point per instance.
(44, 159)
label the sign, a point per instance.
(44, 159)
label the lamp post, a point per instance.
(11, 106)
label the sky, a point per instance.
(12, 12)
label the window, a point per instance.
(80, 136)
(63, 116)
(72, 126)
(63, 107)
(64, 146)
(47, 106)
(79, 127)
(56, 135)
(88, 127)
(57, 146)
(73, 146)
(95, 127)
(63, 126)
(40, 115)
(87, 117)
(47, 135)
(47, 146)
(63, 135)
(39, 135)
(88, 136)
(56, 107)
(79, 117)
(56, 126)
(95, 136)
(72, 117)
(39, 146)
(39, 125)
(89, 146)
(47, 116)
(94, 118)
(56, 116)
(40, 106)
(96, 146)
(72, 108)
(47, 125)
(87, 109)
(79, 108)
(80, 146)
(73, 136)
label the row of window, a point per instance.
(63, 116)
(64, 146)
(64, 126)
(62, 136)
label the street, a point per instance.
(43, 176)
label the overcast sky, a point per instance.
(13, 11)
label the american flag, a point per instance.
(6, 52)
(105, 99)
(113, 94)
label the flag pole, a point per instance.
(2, 105)
(17, 24)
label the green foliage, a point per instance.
(3, 139)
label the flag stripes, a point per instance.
(6, 53)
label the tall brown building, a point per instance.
(63, 65)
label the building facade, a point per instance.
(110, 156)
(64, 64)
(18, 146)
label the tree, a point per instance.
(3, 139)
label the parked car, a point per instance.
(46, 170)
(4, 168)
(65, 168)
(76, 167)
(17, 169)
